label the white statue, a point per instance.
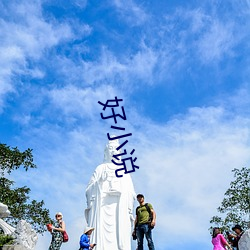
(110, 204)
(244, 242)
(4, 212)
(25, 235)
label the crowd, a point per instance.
(143, 226)
(144, 223)
(219, 242)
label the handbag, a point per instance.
(65, 236)
(49, 227)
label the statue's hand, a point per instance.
(104, 175)
(132, 219)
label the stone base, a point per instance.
(13, 247)
(244, 242)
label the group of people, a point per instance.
(57, 236)
(144, 223)
(219, 242)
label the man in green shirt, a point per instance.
(144, 223)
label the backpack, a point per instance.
(149, 212)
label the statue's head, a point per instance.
(110, 149)
(4, 212)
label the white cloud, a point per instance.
(190, 34)
(122, 71)
(105, 69)
(240, 100)
(198, 19)
(82, 102)
(217, 42)
(131, 12)
(25, 35)
(31, 33)
(143, 63)
(80, 3)
(10, 58)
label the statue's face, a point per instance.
(110, 151)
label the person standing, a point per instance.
(56, 231)
(85, 238)
(143, 225)
(239, 231)
(218, 240)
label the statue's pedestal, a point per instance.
(13, 247)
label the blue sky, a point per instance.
(182, 69)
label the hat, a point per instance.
(140, 195)
(59, 213)
(87, 229)
(237, 227)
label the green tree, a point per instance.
(235, 207)
(17, 199)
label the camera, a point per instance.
(134, 235)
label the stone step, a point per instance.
(12, 247)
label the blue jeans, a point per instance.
(140, 231)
